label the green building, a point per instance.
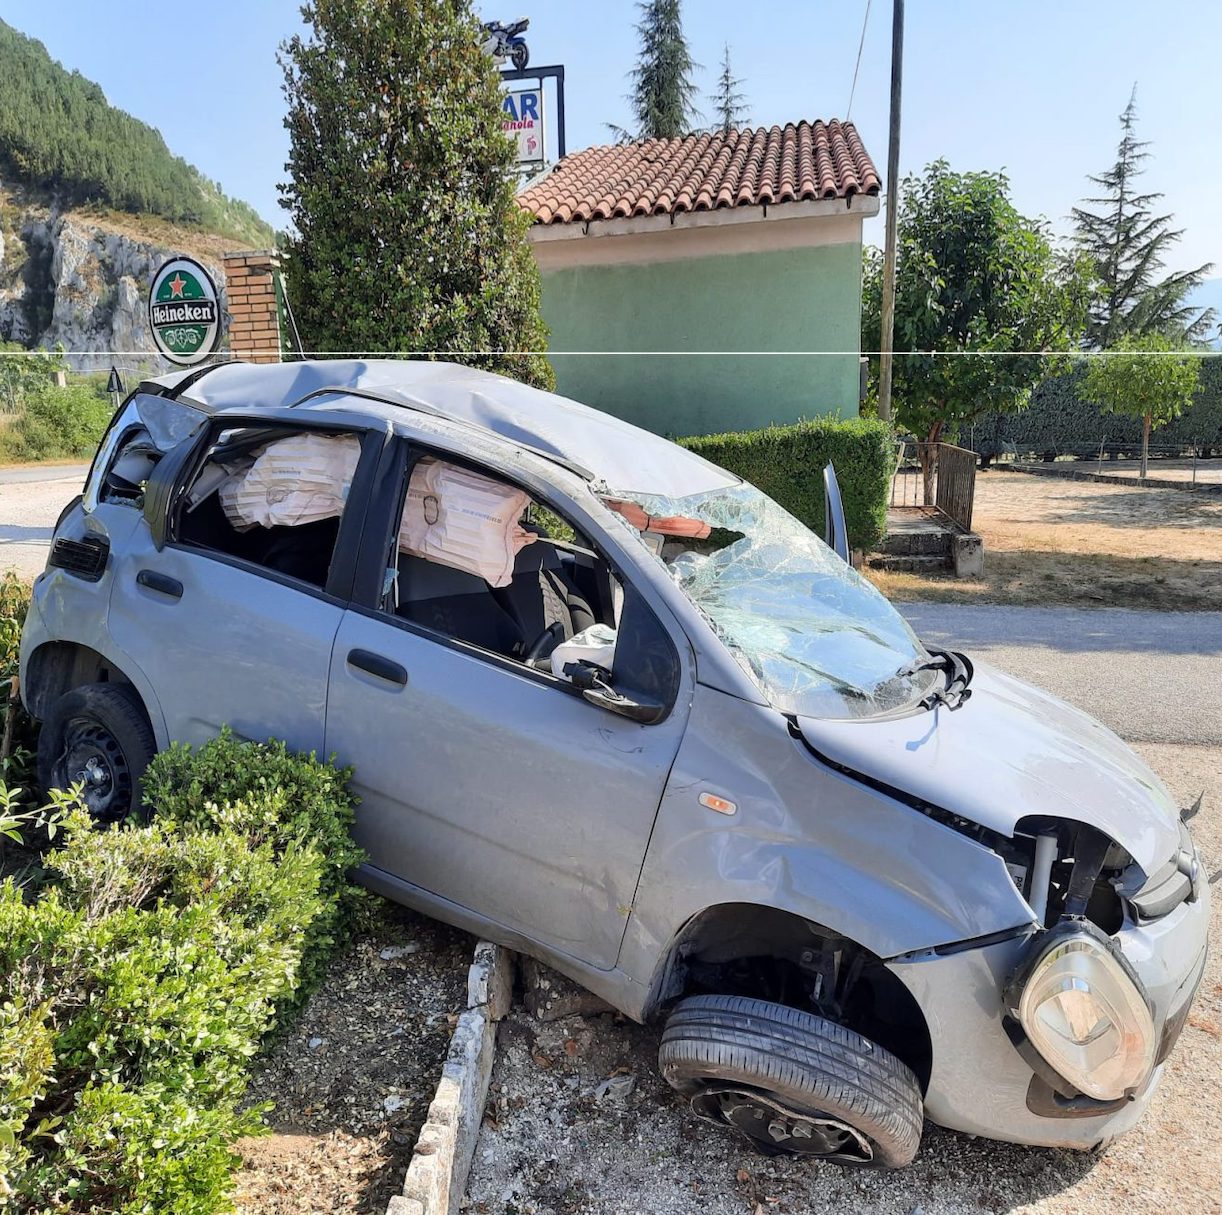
(709, 283)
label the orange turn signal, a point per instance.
(710, 801)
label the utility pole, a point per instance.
(887, 328)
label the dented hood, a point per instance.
(1012, 751)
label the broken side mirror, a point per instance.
(591, 681)
(835, 530)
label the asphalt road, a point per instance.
(1153, 677)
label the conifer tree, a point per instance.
(729, 101)
(1128, 244)
(407, 236)
(662, 88)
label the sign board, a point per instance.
(522, 120)
(184, 312)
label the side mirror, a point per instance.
(835, 530)
(594, 688)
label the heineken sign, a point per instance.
(184, 312)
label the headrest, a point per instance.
(464, 520)
(296, 480)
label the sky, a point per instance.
(1031, 87)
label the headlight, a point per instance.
(1087, 1016)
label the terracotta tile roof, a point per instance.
(705, 173)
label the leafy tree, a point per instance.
(729, 101)
(1147, 379)
(981, 298)
(1128, 244)
(408, 238)
(662, 88)
(59, 134)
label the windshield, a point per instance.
(816, 637)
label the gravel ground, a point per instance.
(552, 1146)
(353, 1077)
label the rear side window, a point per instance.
(271, 497)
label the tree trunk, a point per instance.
(928, 452)
(1145, 446)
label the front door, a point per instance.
(492, 783)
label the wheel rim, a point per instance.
(776, 1129)
(93, 758)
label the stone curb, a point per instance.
(437, 1174)
(1073, 474)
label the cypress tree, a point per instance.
(1128, 244)
(662, 88)
(729, 101)
(407, 236)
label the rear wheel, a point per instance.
(519, 56)
(97, 736)
(791, 1082)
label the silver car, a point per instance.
(611, 706)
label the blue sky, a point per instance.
(1033, 87)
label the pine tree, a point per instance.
(1128, 245)
(729, 102)
(662, 88)
(407, 236)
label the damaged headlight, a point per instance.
(1085, 1013)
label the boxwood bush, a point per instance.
(787, 463)
(137, 982)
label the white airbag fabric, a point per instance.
(595, 646)
(293, 481)
(464, 520)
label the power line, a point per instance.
(857, 67)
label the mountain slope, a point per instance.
(60, 136)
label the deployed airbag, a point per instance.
(464, 520)
(293, 481)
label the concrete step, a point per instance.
(926, 543)
(920, 563)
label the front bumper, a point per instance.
(980, 1084)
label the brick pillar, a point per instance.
(254, 322)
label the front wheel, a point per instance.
(97, 736)
(520, 56)
(791, 1082)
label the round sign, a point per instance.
(184, 312)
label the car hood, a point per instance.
(1010, 751)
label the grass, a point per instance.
(1077, 543)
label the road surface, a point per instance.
(31, 498)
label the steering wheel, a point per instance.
(540, 647)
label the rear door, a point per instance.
(496, 787)
(236, 628)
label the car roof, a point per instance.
(624, 457)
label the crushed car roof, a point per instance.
(623, 456)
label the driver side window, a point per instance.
(478, 561)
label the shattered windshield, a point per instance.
(813, 633)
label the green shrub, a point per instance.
(267, 792)
(17, 767)
(55, 423)
(137, 986)
(787, 463)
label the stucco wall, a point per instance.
(758, 311)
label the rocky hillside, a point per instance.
(80, 279)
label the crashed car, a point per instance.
(613, 707)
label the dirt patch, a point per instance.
(353, 1077)
(1049, 541)
(558, 1139)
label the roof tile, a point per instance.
(765, 166)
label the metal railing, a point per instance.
(938, 475)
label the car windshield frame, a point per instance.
(814, 636)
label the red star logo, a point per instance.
(177, 283)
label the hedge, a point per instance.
(787, 463)
(1059, 421)
(137, 983)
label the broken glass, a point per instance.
(816, 637)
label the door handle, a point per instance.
(375, 664)
(162, 583)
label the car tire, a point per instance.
(100, 735)
(793, 1083)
